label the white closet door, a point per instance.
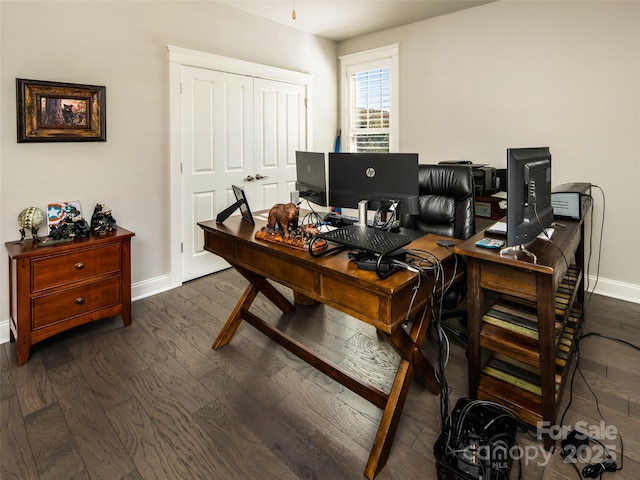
(217, 152)
(280, 130)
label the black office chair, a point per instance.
(446, 208)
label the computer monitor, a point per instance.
(377, 178)
(529, 209)
(311, 182)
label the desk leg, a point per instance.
(422, 365)
(411, 360)
(474, 322)
(546, 320)
(233, 322)
(257, 284)
(408, 347)
(301, 299)
(267, 290)
(390, 420)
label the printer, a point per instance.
(570, 199)
(484, 176)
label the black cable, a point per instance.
(609, 464)
(595, 334)
(601, 235)
(387, 206)
(597, 469)
(544, 230)
(468, 434)
(312, 217)
(591, 214)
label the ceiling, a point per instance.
(343, 19)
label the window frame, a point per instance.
(363, 61)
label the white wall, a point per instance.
(563, 74)
(123, 45)
(512, 74)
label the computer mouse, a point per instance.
(445, 243)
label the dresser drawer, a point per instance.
(61, 306)
(55, 271)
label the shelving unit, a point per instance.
(510, 333)
(523, 319)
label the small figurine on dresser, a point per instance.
(71, 226)
(102, 220)
(30, 218)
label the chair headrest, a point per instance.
(447, 180)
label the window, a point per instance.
(369, 100)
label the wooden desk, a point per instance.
(336, 282)
(554, 294)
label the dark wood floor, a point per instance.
(154, 401)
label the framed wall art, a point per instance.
(60, 112)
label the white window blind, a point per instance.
(369, 99)
(370, 104)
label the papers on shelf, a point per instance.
(549, 233)
(500, 228)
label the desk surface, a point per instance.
(564, 239)
(331, 279)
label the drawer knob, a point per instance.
(79, 266)
(79, 300)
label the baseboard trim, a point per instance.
(614, 289)
(609, 288)
(4, 331)
(150, 287)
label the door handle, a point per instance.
(248, 178)
(260, 177)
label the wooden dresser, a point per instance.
(54, 288)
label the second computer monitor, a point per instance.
(311, 180)
(378, 178)
(529, 209)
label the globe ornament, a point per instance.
(30, 218)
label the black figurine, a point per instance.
(102, 221)
(71, 226)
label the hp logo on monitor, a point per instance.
(370, 172)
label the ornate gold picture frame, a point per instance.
(60, 112)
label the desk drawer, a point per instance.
(500, 278)
(60, 306)
(67, 268)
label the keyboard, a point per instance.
(366, 239)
